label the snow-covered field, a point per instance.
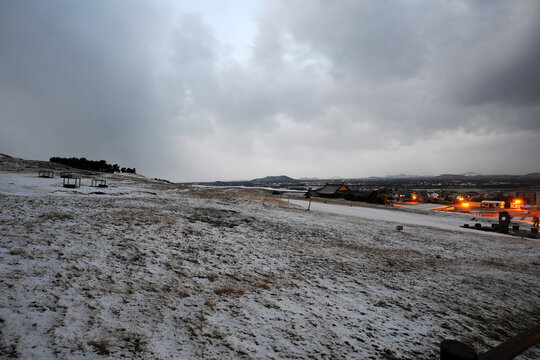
(148, 270)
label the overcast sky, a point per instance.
(220, 90)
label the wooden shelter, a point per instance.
(71, 182)
(46, 173)
(101, 183)
(332, 191)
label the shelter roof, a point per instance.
(332, 189)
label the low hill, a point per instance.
(275, 179)
(9, 163)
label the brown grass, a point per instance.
(182, 293)
(101, 346)
(265, 282)
(55, 216)
(212, 276)
(229, 290)
(143, 218)
(17, 252)
(234, 196)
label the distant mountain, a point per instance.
(275, 179)
(470, 173)
(452, 176)
(478, 176)
(531, 179)
(402, 176)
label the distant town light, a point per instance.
(517, 203)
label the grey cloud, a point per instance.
(422, 66)
(368, 39)
(138, 85)
(498, 62)
(515, 81)
(73, 74)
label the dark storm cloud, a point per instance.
(514, 79)
(498, 62)
(74, 74)
(424, 65)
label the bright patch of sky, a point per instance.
(232, 22)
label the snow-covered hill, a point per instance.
(145, 269)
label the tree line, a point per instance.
(91, 165)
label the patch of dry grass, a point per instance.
(229, 290)
(101, 346)
(210, 303)
(212, 276)
(56, 216)
(20, 252)
(265, 282)
(175, 290)
(144, 218)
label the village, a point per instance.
(515, 210)
(485, 201)
(515, 198)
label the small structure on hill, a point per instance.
(517, 204)
(46, 173)
(72, 182)
(101, 183)
(66, 174)
(492, 204)
(332, 191)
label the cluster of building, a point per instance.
(496, 198)
(458, 199)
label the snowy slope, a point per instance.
(148, 270)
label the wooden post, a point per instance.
(515, 346)
(456, 350)
(309, 197)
